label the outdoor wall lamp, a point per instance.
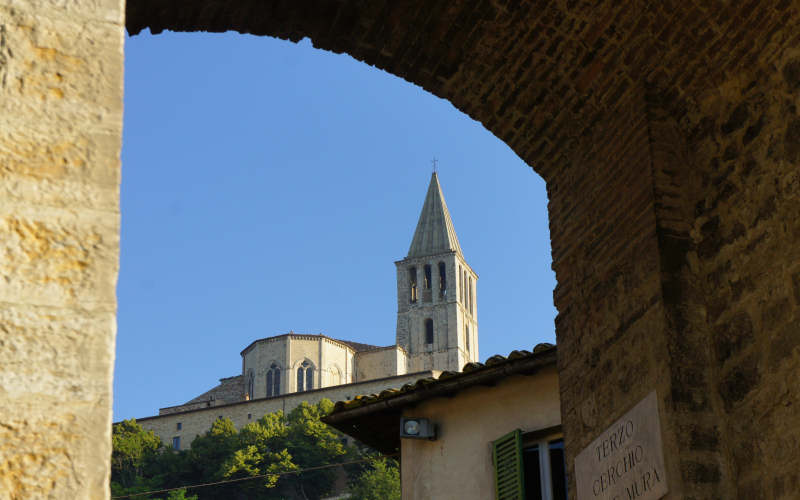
(417, 428)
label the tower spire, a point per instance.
(437, 322)
(435, 233)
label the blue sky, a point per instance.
(269, 186)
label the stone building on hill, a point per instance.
(437, 330)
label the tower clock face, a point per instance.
(411, 427)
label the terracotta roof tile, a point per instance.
(428, 382)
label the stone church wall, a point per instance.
(380, 363)
(194, 423)
(336, 363)
(229, 390)
(259, 357)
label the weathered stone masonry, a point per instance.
(61, 69)
(669, 137)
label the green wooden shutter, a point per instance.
(509, 480)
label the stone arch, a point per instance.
(336, 375)
(250, 383)
(669, 138)
(646, 120)
(304, 371)
(275, 378)
(629, 111)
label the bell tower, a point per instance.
(437, 316)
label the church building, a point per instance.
(437, 330)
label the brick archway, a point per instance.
(668, 136)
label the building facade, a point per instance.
(488, 441)
(437, 330)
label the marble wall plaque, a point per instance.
(626, 461)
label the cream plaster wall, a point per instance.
(197, 422)
(459, 463)
(61, 78)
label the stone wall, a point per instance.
(380, 363)
(450, 313)
(196, 422)
(229, 390)
(60, 128)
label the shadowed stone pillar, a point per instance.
(61, 66)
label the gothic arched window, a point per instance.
(305, 377)
(309, 378)
(250, 384)
(273, 381)
(429, 331)
(412, 280)
(428, 277)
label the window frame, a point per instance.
(274, 380)
(429, 333)
(525, 440)
(542, 439)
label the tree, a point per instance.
(133, 449)
(272, 450)
(312, 443)
(381, 481)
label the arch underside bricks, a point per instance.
(669, 138)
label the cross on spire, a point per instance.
(434, 161)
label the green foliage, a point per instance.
(380, 482)
(268, 450)
(177, 495)
(133, 450)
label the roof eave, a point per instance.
(389, 409)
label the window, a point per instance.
(249, 416)
(305, 377)
(471, 301)
(460, 285)
(442, 279)
(178, 426)
(429, 331)
(176, 443)
(529, 469)
(309, 378)
(466, 337)
(427, 276)
(300, 379)
(273, 381)
(412, 279)
(464, 288)
(250, 384)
